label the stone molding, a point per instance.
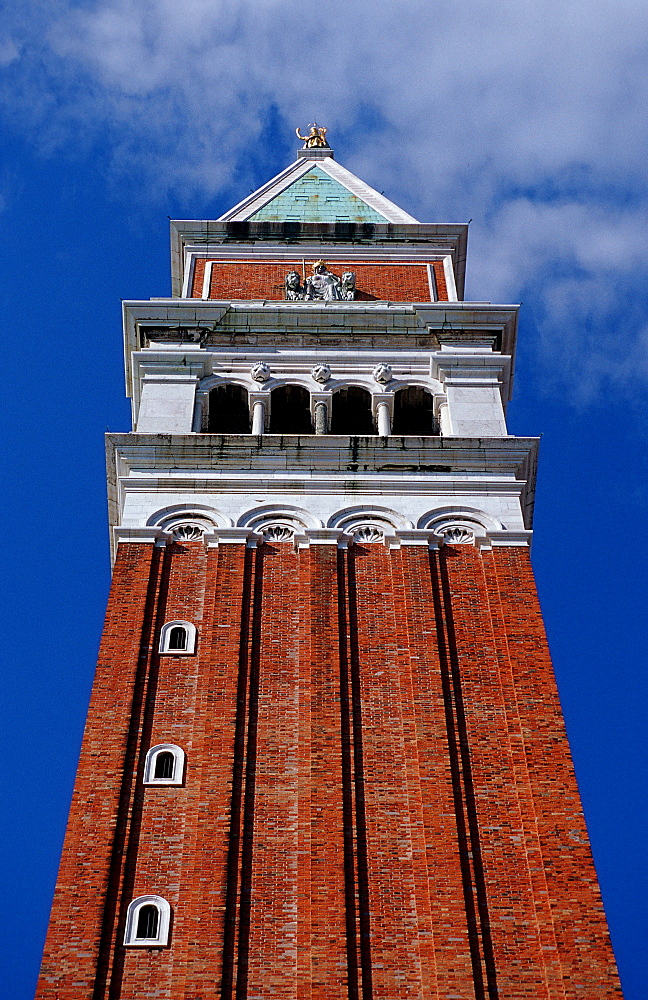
(207, 328)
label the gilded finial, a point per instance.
(316, 138)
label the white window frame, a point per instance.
(178, 766)
(164, 923)
(165, 638)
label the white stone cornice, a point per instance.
(229, 536)
(419, 537)
(338, 453)
(521, 537)
(146, 535)
(325, 536)
(163, 378)
(136, 315)
(207, 329)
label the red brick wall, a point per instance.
(265, 280)
(379, 799)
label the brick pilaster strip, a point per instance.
(307, 835)
(96, 827)
(454, 975)
(213, 815)
(398, 961)
(273, 782)
(355, 869)
(509, 932)
(328, 944)
(551, 964)
(158, 815)
(579, 922)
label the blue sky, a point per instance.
(526, 119)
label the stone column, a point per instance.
(198, 413)
(321, 417)
(384, 422)
(444, 419)
(258, 416)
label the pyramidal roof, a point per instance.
(316, 189)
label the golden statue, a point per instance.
(316, 138)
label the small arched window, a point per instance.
(148, 919)
(178, 638)
(164, 765)
(147, 922)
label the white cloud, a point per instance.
(9, 51)
(526, 115)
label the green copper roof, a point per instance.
(316, 197)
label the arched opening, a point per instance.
(164, 765)
(290, 410)
(414, 411)
(229, 412)
(178, 637)
(351, 412)
(148, 920)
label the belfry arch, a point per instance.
(228, 409)
(414, 411)
(290, 410)
(351, 412)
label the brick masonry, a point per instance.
(379, 799)
(265, 279)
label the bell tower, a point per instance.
(324, 755)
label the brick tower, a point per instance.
(324, 757)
